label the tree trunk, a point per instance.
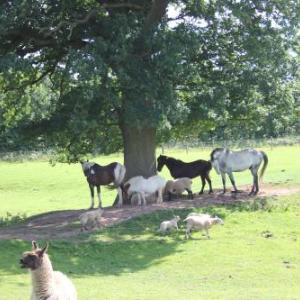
(139, 151)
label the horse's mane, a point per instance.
(172, 159)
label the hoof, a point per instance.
(201, 193)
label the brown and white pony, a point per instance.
(96, 175)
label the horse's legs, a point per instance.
(203, 184)
(92, 196)
(255, 187)
(209, 183)
(99, 196)
(232, 182)
(224, 182)
(120, 197)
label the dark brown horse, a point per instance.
(97, 175)
(179, 169)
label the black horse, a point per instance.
(179, 169)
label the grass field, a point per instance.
(131, 261)
(33, 187)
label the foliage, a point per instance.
(75, 73)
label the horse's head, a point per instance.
(161, 161)
(86, 165)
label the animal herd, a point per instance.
(138, 188)
(54, 285)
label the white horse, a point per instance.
(145, 187)
(225, 162)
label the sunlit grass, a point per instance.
(132, 261)
(33, 187)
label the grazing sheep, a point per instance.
(201, 222)
(92, 218)
(168, 225)
(198, 214)
(145, 187)
(178, 186)
(46, 283)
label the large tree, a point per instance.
(109, 74)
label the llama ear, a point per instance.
(44, 250)
(34, 245)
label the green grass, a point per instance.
(34, 187)
(131, 261)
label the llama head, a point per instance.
(33, 259)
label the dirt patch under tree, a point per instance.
(60, 224)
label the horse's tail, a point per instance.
(266, 160)
(119, 173)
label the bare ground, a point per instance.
(60, 224)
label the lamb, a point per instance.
(200, 222)
(145, 187)
(169, 225)
(46, 283)
(178, 186)
(92, 218)
(198, 214)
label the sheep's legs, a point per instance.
(92, 196)
(159, 198)
(99, 196)
(207, 233)
(191, 196)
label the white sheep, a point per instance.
(92, 218)
(201, 222)
(46, 283)
(198, 214)
(169, 225)
(145, 187)
(178, 186)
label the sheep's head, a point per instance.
(177, 218)
(218, 220)
(33, 259)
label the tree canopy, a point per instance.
(86, 74)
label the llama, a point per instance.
(46, 283)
